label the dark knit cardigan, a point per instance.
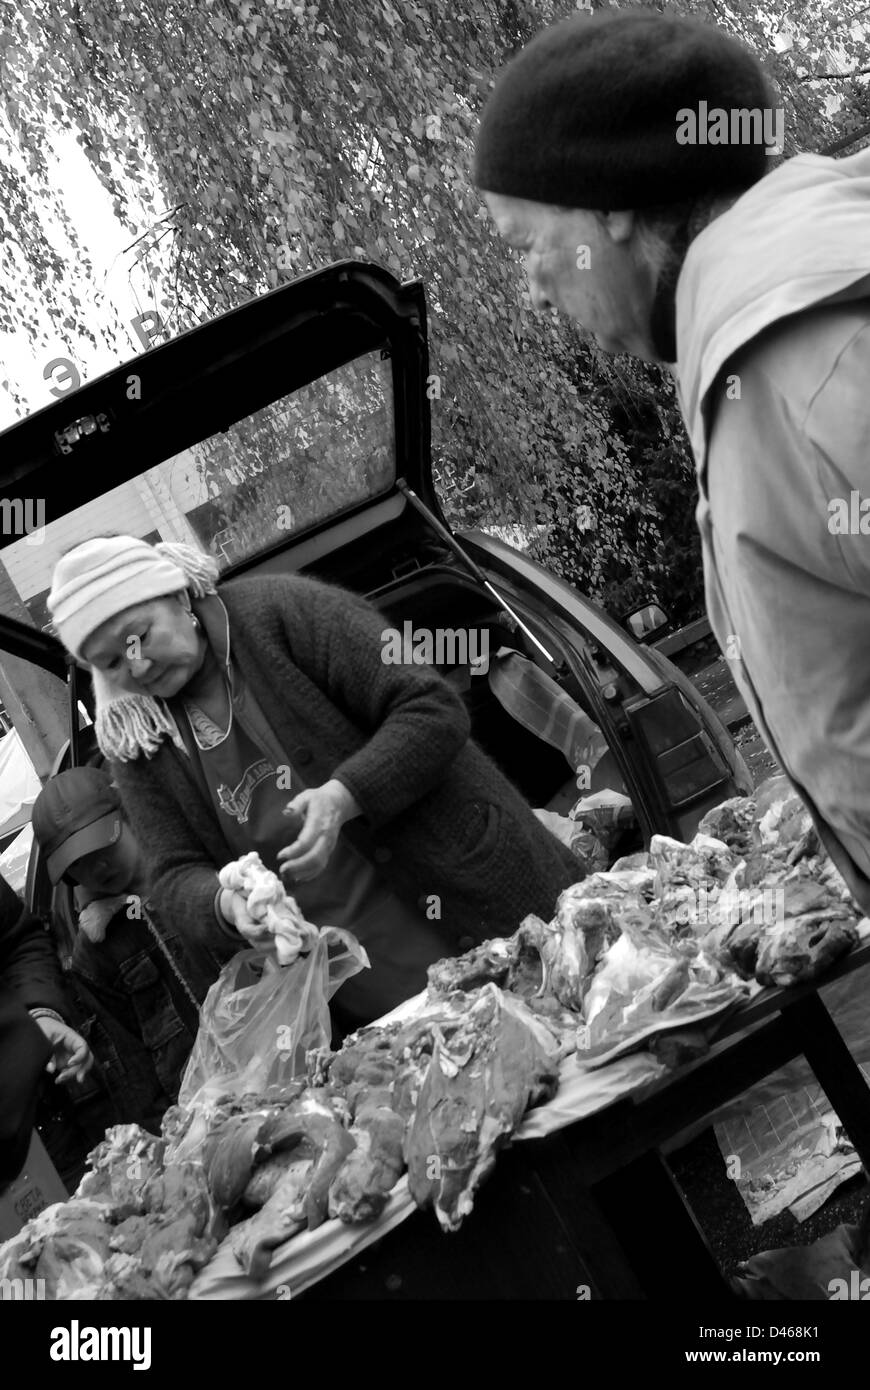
(438, 817)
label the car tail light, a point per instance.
(682, 752)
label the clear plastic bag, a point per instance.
(260, 1019)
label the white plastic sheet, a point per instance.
(19, 784)
(14, 859)
(792, 1151)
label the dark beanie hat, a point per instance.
(586, 115)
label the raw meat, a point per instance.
(492, 961)
(379, 1072)
(629, 886)
(282, 1159)
(266, 1176)
(66, 1245)
(230, 1153)
(120, 1168)
(689, 879)
(791, 926)
(281, 1217)
(150, 1231)
(481, 1080)
(735, 824)
(168, 1245)
(804, 947)
(365, 1180)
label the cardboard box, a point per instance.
(37, 1186)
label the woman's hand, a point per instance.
(234, 909)
(70, 1052)
(324, 811)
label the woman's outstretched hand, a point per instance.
(324, 811)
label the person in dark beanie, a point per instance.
(632, 158)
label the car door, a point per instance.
(676, 759)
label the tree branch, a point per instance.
(833, 76)
(846, 140)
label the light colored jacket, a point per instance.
(773, 376)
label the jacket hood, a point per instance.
(796, 239)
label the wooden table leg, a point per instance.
(835, 1068)
(608, 1273)
(666, 1247)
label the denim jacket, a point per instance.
(140, 991)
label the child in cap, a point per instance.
(141, 986)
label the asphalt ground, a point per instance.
(699, 1168)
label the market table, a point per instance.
(592, 1209)
(612, 1216)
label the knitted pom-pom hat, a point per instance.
(587, 115)
(99, 579)
(96, 581)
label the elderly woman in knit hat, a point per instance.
(631, 158)
(223, 708)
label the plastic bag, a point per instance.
(582, 842)
(629, 971)
(604, 817)
(260, 1019)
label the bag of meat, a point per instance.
(259, 1020)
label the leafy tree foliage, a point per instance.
(283, 135)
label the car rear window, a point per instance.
(300, 461)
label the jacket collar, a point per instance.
(797, 239)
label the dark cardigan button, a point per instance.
(302, 756)
(382, 854)
(465, 943)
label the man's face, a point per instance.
(585, 265)
(149, 649)
(110, 870)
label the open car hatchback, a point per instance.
(293, 433)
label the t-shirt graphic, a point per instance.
(249, 799)
(236, 802)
